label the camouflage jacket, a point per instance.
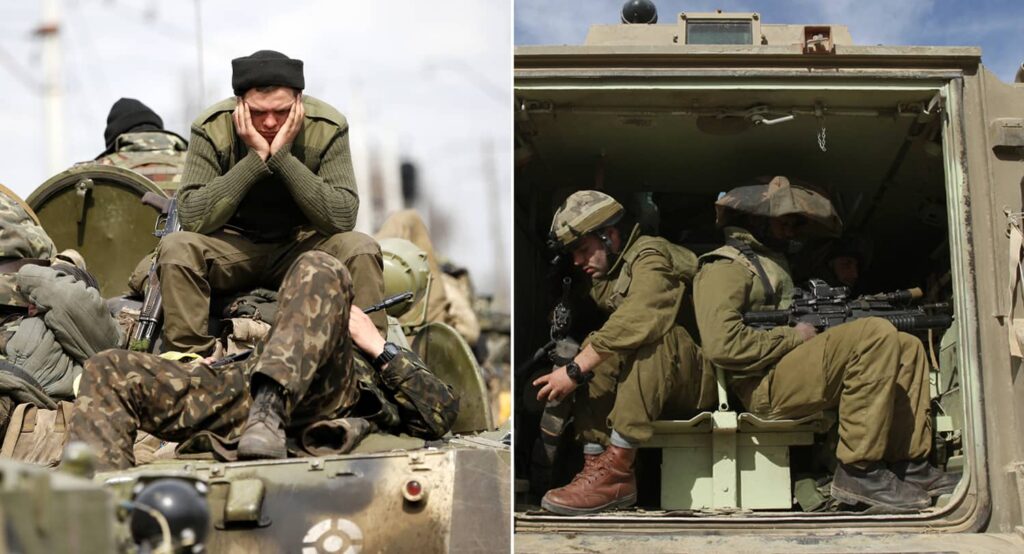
(406, 397)
(156, 155)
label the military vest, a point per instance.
(269, 209)
(610, 294)
(157, 155)
(774, 266)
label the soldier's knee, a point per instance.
(181, 248)
(878, 327)
(345, 246)
(315, 261)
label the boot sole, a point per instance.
(258, 453)
(624, 502)
(853, 499)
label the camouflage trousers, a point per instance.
(309, 352)
(193, 266)
(668, 379)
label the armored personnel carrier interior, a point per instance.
(666, 129)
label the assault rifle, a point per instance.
(825, 306)
(560, 348)
(152, 304)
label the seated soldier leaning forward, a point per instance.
(136, 140)
(268, 176)
(322, 358)
(640, 365)
(876, 376)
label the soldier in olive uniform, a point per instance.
(640, 365)
(268, 176)
(875, 376)
(136, 140)
(323, 353)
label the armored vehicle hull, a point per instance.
(920, 150)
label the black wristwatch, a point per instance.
(390, 351)
(576, 374)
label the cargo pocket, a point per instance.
(797, 384)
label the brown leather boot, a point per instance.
(608, 482)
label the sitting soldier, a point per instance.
(324, 359)
(136, 140)
(874, 375)
(641, 364)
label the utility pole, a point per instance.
(498, 229)
(49, 32)
(201, 100)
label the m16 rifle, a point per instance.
(152, 304)
(825, 306)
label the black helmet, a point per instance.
(181, 503)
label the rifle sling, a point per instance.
(748, 253)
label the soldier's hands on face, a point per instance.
(806, 331)
(555, 385)
(247, 132)
(291, 126)
(364, 333)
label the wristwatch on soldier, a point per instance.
(389, 353)
(576, 374)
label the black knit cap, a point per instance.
(266, 68)
(126, 115)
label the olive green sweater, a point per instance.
(307, 183)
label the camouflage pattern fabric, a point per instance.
(779, 197)
(582, 212)
(309, 352)
(156, 155)
(20, 237)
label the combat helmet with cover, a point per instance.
(780, 197)
(21, 239)
(583, 212)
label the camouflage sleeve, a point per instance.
(208, 199)
(328, 197)
(649, 309)
(428, 407)
(722, 295)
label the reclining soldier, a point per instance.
(876, 376)
(53, 317)
(323, 360)
(268, 176)
(640, 365)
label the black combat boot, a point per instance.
(263, 435)
(877, 487)
(933, 480)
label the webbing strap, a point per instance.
(748, 253)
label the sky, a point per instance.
(433, 83)
(994, 25)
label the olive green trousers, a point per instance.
(668, 379)
(875, 375)
(192, 267)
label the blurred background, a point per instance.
(426, 89)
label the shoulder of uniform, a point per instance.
(317, 109)
(722, 253)
(216, 110)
